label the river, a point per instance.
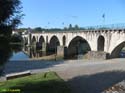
(13, 59)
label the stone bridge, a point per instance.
(79, 42)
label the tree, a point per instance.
(38, 29)
(70, 27)
(10, 16)
(65, 28)
(91, 28)
(76, 27)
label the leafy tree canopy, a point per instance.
(10, 15)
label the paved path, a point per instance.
(93, 77)
(82, 76)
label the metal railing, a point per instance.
(109, 26)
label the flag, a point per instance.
(103, 16)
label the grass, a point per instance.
(48, 82)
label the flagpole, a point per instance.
(103, 16)
(104, 20)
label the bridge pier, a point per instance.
(29, 39)
(100, 55)
(44, 49)
(60, 52)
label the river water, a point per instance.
(9, 52)
(13, 59)
(19, 56)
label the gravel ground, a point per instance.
(117, 88)
(83, 76)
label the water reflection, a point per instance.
(6, 51)
(16, 47)
(33, 52)
(19, 56)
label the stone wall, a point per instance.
(100, 55)
(60, 53)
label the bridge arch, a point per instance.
(40, 42)
(100, 43)
(64, 40)
(116, 51)
(78, 46)
(54, 42)
(41, 39)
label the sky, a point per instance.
(61, 13)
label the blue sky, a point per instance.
(52, 13)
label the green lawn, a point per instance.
(48, 82)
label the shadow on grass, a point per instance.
(49, 83)
(50, 86)
(96, 83)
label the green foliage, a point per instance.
(5, 50)
(5, 31)
(38, 29)
(70, 27)
(16, 38)
(103, 28)
(22, 29)
(10, 16)
(76, 27)
(91, 28)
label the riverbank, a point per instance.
(45, 58)
(83, 76)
